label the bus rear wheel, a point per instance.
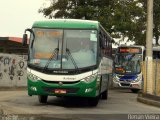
(42, 98)
(93, 101)
(135, 90)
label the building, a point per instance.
(12, 45)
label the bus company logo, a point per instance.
(60, 83)
(69, 78)
(127, 81)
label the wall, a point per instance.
(13, 70)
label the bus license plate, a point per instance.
(135, 85)
(60, 91)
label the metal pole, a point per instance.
(149, 37)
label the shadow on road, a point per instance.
(123, 90)
(69, 102)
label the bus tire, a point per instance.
(42, 98)
(104, 95)
(93, 101)
(135, 90)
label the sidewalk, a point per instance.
(149, 99)
(14, 88)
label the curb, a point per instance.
(12, 88)
(149, 99)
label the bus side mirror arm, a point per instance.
(25, 36)
(24, 39)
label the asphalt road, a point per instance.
(121, 104)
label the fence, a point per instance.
(13, 70)
(156, 77)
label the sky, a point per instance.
(17, 15)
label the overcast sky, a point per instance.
(16, 15)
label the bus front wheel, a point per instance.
(104, 95)
(93, 101)
(135, 90)
(42, 98)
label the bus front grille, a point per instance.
(64, 82)
(125, 84)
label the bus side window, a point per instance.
(105, 45)
(100, 44)
(101, 40)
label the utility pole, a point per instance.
(149, 38)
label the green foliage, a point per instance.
(128, 20)
(121, 18)
(156, 19)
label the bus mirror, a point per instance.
(24, 40)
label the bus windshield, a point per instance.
(127, 63)
(63, 49)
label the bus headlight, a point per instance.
(32, 77)
(115, 78)
(137, 79)
(90, 78)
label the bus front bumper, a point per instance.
(130, 85)
(79, 88)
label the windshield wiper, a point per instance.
(55, 52)
(132, 57)
(72, 59)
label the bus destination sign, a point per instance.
(130, 50)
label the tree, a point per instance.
(156, 20)
(121, 18)
(128, 20)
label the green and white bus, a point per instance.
(69, 57)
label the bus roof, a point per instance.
(67, 23)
